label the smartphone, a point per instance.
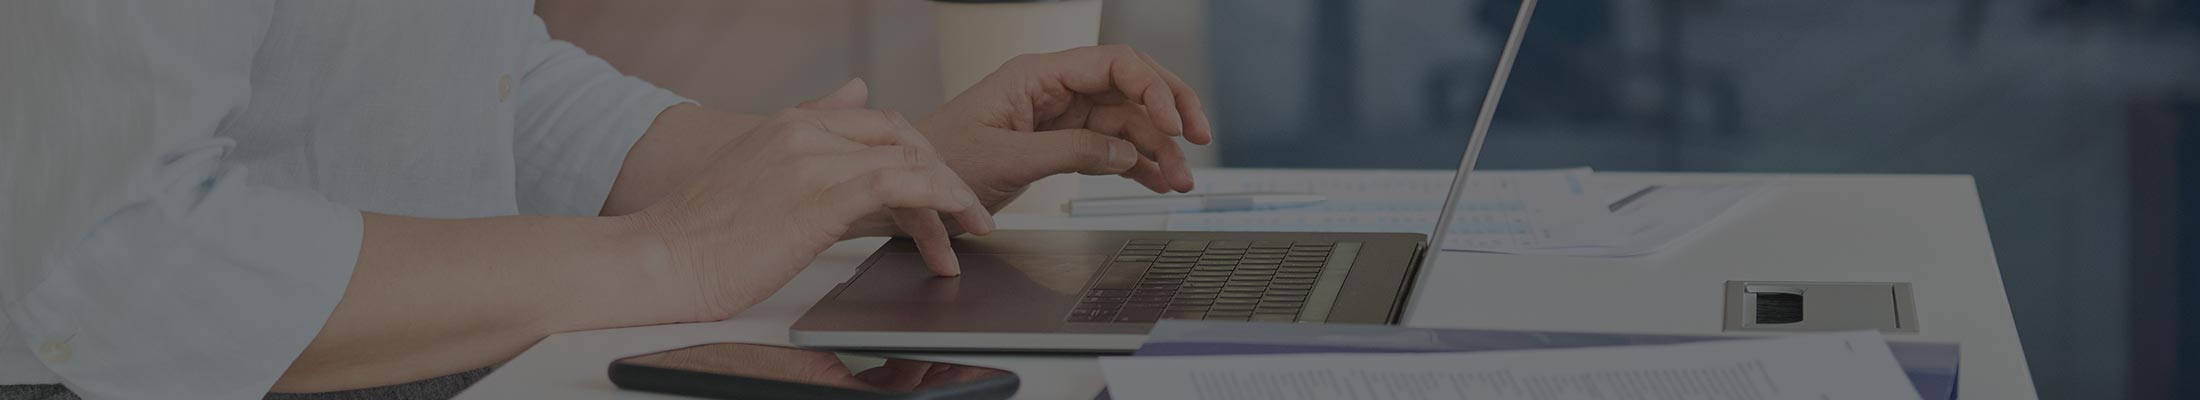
(743, 371)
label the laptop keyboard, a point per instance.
(1273, 281)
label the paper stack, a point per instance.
(1231, 360)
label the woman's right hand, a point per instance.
(776, 197)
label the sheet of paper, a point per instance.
(1840, 366)
(1650, 218)
(1516, 212)
(1501, 210)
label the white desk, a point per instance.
(1926, 230)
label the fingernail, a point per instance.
(854, 87)
(1122, 156)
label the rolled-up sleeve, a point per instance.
(139, 262)
(577, 118)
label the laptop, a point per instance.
(1101, 291)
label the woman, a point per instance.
(220, 199)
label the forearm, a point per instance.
(678, 142)
(434, 297)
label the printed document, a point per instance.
(1841, 366)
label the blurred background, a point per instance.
(2080, 119)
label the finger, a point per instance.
(841, 167)
(924, 227)
(853, 94)
(922, 168)
(1030, 156)
(1197, 128)
(888, 188)
(1148, 174)
(1116, 69)
(866, 126)
(1126, 122)
(976, 220)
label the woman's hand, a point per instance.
(770, 201)
(1103, 110)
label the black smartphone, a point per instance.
(743, 371)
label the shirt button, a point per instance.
(55, 351)
(504, 87)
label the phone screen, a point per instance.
(815, 367)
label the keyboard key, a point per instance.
(1176, 259)
(1227, 316)
(1252, 272)
(1306, 276)
(1217, 263)
(1305, 259)
(1271, 244)
(1148, 241)
(1133, 258)
(1122, 275)
(1291, 286)
(1140, 252)
(1228, 244)
(1256, 267)
(1187, 245)
(1197, 285)
(1229, 309)
(1267, 251)
(1220, 257)
(1093, 307)
(1139, 314)
(1096, 314)
(1160, 286)
(1226, 252)
(1184, 314)
(1276, 291)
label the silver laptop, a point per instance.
(1101, 291)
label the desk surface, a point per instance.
(1926, 230)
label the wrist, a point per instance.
(626, 275)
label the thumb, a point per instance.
(853, 94)
(1072, 150)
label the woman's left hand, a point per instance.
(1101, 110)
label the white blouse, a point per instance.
(181, 181)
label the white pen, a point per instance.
(1188, 203)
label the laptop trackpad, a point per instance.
(986, 278)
